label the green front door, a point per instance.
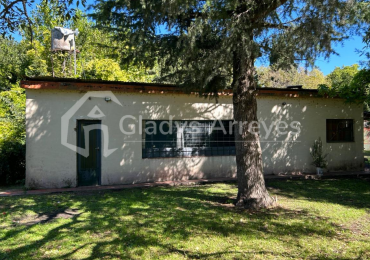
(89, 166)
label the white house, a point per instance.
(101, 133)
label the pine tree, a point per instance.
(207, 46)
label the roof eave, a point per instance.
(151, 88)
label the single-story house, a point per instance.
(82, 132)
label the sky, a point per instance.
(347, 55)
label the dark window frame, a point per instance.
(344, 131)
(196, 140)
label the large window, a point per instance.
(187, 138)
(339, 130)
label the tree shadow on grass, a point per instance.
(129, 223)
(351, 192)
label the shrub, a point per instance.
(12, 136)
(12, 163)
(318, 157)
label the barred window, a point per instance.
(339, 130)
(187, 138)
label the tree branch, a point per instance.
(28, 19)
(265, 8)
(270, 25)
(8, 7)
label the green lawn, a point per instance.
(326, 219)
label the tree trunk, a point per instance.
(252, 192)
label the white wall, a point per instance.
(50, 164)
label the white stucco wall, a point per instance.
(50, 164)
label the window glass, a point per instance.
(339, 130)
(187, 138)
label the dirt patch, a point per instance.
(273, 190)
(87, 193)
(4, 207)
(361, 226)
(42, 218)
(224, 202)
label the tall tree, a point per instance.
(349, 83)
(343, 76)
(208, 44)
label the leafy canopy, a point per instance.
(349, 83)
(276, 77)
(108, 69)
(195, 42)
(11, 62)
(343, 76)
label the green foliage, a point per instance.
(361, 81)
(12, 58)
(12, 111)
(13, 62)
(14, 14)
(12, 135)
(317, 154)
(106, 69)
(198, 43)
(281, 78)
(341, 77)
(364, 24)
(34, 64)
(349, 83)
(360, 87)
(94, 47)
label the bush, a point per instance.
(12, 136)
(12, 163)
(317, 154)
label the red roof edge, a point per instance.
(99, 85)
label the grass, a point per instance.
(326, 219)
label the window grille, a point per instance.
(339, 130)
(187, 138)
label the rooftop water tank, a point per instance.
(62, 39)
